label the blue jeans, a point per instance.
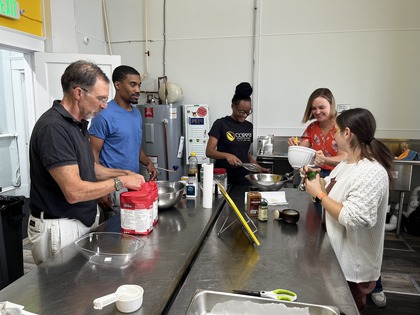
(378, 287)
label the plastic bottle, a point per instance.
(191, 186)
(253, 201)
(193, 164)
(268, 148)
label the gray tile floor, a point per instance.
(400, 276)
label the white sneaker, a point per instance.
(379, 299)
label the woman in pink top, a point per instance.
(319, 135)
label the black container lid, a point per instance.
(253, 188)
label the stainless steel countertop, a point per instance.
(184, 246)
(295, 257)
(68, 284)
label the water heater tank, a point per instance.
(171, 92)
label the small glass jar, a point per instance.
(263, 210)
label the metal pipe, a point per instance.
(106, 26)
(165, 127)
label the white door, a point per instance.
(28, 88)
(48, 70)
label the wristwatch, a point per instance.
(118, 184)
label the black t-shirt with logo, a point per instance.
(236, 138)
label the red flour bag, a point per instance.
(137, 211)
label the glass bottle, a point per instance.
(253, 201)
(193, 164)
(263, 210)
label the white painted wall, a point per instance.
(366, 52)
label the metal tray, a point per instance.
(203, 301)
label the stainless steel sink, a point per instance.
(203, 302)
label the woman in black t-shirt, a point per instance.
(230, 137)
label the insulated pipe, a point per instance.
(414, 201)
(164, 39)
(146, 40)
(165, 127)
(391, 226)
(106, 26)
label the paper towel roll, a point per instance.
(208, 185)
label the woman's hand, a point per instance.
(264, 170)
(293, 141)
(319, 158)
(232, 159)
(313, 187)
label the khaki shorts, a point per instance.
(49, 236)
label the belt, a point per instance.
(46, 215)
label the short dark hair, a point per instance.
(81, 73)
(121, 72)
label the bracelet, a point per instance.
(319, 197)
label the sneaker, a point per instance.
(379, 299)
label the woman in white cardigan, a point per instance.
(355, 199)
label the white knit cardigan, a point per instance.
(358, 236)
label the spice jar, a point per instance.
(263, 210)
(253, 201)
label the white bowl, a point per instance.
(299, 156)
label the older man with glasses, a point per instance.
(65, 180)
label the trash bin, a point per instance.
(11, 208)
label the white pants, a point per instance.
(49, 236)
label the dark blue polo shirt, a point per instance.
(57, 140)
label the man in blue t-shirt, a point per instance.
(116, 133)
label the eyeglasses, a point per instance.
(103, 100)
(244, 113)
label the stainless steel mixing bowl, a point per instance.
(266, 182)
(169, 193)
